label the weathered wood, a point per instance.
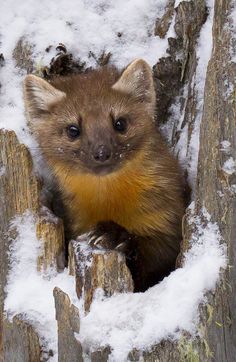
(163, 24)
(19, 187)
(67, 316)
(215, 190)
(20, 191)
(101, 355)
(21, 342)
(68, 320)
(71, 259)
(50, 230)
(215, 187)
(96, 269)
(175, 72)
(22, 55)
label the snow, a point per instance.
(188, 153)
(204, 50)
(229, 166)
(83, 26)
(2, 171)
(177, 112)
(229, 89)
(233, 190)
(177, 2)
(225, 146)
(30, 292)
(143, 319)
(232, 27)
(124, 321)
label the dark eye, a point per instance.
(73, 131)
(120, 124)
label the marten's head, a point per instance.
(93, 122)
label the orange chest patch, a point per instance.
(116, 197)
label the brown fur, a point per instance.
(139, 188)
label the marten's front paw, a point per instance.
(104, 241)
(108, 235)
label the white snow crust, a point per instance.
(83, 26)
(124, 321)
(229, 166)
(177, 2)
(30, 292)
(232, 27)
(188, 154)
(2, 171)
(162, 312)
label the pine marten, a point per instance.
(117, 178)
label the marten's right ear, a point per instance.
(137, 80)
(39, 95)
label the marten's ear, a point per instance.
(137, 80)
(39, 95)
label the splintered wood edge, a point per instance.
(96, 269)
(68, 321)
(20, 190)
(51, 232)
(22, 334)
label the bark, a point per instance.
(21, 342)
(176, 71)
(215, 191)
(95, 270)
(215, 187)
(67, 316)
(20, 191)
(50, 230)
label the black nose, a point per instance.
(102, 153)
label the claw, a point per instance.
(91, 240)
(121, 247)
(98, 240)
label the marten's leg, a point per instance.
(152, 259)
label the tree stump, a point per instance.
(104, 270)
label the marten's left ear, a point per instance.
(137, 80)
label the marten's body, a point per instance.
(116, 175)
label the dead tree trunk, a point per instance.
(216, 187)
